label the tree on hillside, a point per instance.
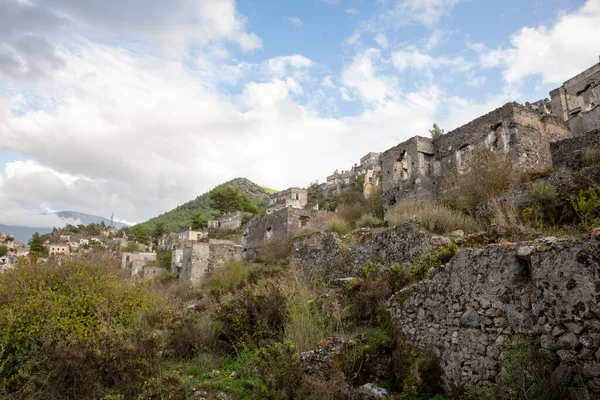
(36, 245)
(198, 221)
(436, 132)
(139, 233)
(3, 251)
(227, 200)
(159, 230)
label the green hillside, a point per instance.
(180, 217)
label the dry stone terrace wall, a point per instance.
(326, 256)
(470, 308)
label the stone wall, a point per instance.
(548, 288)
(568, 153)
(200, 259)
(577, 101)
(415, 169)
(406, 171)
(139, 265)
(326, 256)
(283, 223)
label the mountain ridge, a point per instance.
(179, 218)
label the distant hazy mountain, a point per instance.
(24, 233)
(87, 219)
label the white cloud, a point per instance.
(280, 66)
(426, 12)
(138, 135)
(327, 82)
(351, 11)
(362, 77)
(555, 53)
(295, 22)
(382, 40)
(414, 59)
(31, 32)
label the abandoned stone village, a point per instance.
(465, 312)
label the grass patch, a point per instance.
(435, 217)
(339, 226)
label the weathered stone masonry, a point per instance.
(283, 223)
(467, 311)
(200, 259)
(415, 169)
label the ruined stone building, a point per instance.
(176, 240)
(200, 259)
(415, 168)
(577, 101)
(292, 197)
(284, 223)
(369, 168)
(140, 265)
(58, 249)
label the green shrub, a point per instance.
(435, 217)
(47, 304)
(368, 221)
(279, 369)
(132, 247)
(436, 258)
(339, 226)
(163, 258)
(586, 204)
(194, 335)
(254, 316)
(169, 387)
(542, 197)
(366, 297)
(111, 362)
(228, 278)
(424, 378)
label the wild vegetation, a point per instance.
(248, 197)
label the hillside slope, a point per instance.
(180, 217)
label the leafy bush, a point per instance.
(227, 278)
(3, 250)
(436, 258)
(193, 335)
(435, 217)
(132, 247)
(374, 287)
(163, 258)
(543, 197)
(586, 204)
(109, 362)
(253, 316)
(489, 174)
(278, 367)
(339, 226)
(368, 221)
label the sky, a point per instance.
(137, 106)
